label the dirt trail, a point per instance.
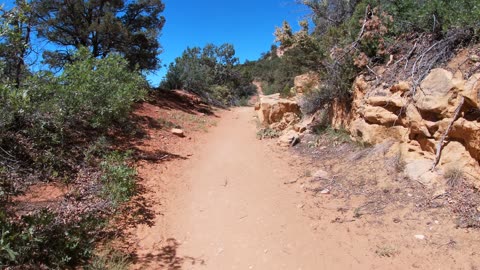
(235, 212)
(232, 210)
(225, 205)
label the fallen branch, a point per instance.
(371, 70)
(440, 143)
(291, 182)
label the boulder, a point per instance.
(178, 132)
(416, 122)
(378, 115)
(400, 87)
(340, 116)
(373, 133)
(435, 92)
(290, 118)
(474, 58)
(279, 126)
(304, 124)
(290, 138)
(469, 133)
(272, 108)
(420, 170)
(394, 100)
(471, 90)
(306, 82)
(321, 174)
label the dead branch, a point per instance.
(12, 158)
(371, 70)
(291, 182)
(440, 143)
(360, 35)
(362, 31)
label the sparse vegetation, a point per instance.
(453, 176)
(338, 136)
(386, 251)
(197, 121)
(399, 162)
(267, 133)
(167, 124)
(111, 259)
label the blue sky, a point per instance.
(247, 24)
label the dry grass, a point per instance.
(267, 133)
(453, 176)
(398, 162)
(386, 251)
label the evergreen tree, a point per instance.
(103, 26)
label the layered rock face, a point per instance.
(282, 115)
(273, 109)
(417, 118)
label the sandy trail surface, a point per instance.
(230, 209)
(236, 213)
(224, 204)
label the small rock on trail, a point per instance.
(178, 132)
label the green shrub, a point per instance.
(118, 177)
(433, 15)
(337, 81)
(211, 72)
(14, 101)
(267, 133)
(95, 91)
(103, 90)
(41, 241)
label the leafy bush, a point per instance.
(212, 73)
(431, 16)
(95, 91)
(118, 178)
(13, 102)
(336, 85)
(42, 241)
(99, 91)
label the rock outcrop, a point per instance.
(273, 109)
(282, 115)
(276, 112)
(417, 118)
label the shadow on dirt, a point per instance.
(167, 258)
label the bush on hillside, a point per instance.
(211, 72)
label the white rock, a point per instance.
(321, 174)
(178, 132)
(420, 236)
(325, 191)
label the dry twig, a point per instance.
(440, 143)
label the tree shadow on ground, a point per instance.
(167, 258)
